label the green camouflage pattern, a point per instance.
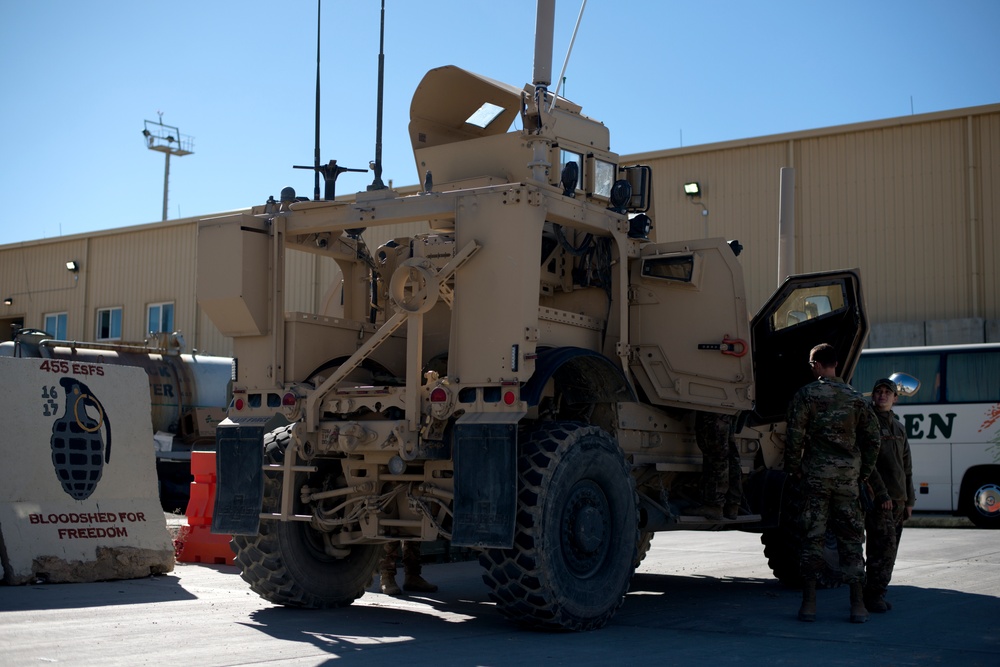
(892, 480)
(832, 432)
(721, 475)
(832, 442)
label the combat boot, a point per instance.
(417, 584)
(388, 584)
(807, 612)
(875, 602)
(707, 511)
(858, 612)
(731, 511)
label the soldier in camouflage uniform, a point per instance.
(831, 446)
(721, 474)
(892, 487)
(412, 581)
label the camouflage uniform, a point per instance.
(411, 558)
(892, 480)
(832, 443)
(721, 474)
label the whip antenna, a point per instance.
(377, 183)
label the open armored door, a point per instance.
(803, 312)
(688, 326)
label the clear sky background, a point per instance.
(78, 78)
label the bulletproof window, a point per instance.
(808, 303)
(485, 115)
(669, 268)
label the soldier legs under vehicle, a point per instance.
(412, 581)
(721, 474)
(881, 546)
(834, 503)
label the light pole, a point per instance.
(167, 140)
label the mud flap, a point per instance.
(239, 489)
(485, 482)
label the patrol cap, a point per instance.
(886, 382)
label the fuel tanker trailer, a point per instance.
(188, 394)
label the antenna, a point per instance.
(377, 183)
(329, 171)
(561, 81)
(316, 147)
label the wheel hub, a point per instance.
(988, 500)
(584, 534)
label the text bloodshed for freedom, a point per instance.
(88, 532)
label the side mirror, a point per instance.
(640, 177)
(906, 384)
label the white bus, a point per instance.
(952, 423)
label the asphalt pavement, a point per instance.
(698, 598)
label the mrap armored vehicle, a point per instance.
(520, 377)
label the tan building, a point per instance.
(913, 202)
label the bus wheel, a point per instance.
(982, 498)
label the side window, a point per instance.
(926, 367)
(973, 377)
(807, 303)
(55, 324)
(109, 324)
(160, 318)
(669, 268)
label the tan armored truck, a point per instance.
(521, 377)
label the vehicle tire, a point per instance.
(981, 497)
(783, 544)
(576, 532)
(642, 547)
(285, 563)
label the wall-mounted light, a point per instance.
(72, 266)
(692, 189)
(8, 301)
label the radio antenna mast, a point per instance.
(316, 148)
(329, 171)
(377, 183)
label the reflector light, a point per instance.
(239, 403)
(509, 398)
(439, 395)
(288, 399)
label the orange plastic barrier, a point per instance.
(196, 543)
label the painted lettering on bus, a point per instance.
(938, 425)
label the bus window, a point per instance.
(974, 377)
(926, 367)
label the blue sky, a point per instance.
(79, 79)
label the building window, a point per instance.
(55, 325)
(160, 318)
(109, 324)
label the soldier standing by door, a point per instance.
(831, 447)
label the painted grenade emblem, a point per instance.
(78, 451)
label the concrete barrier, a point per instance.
(78, 490)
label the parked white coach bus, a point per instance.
(952, 423)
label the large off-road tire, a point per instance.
(981, 497)
(285, 563)
(783, 544)
(642, 547)
(576, 534)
